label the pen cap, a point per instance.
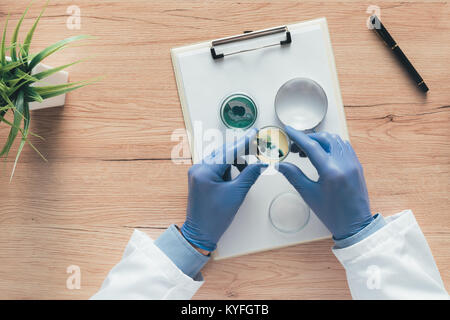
(381, 31)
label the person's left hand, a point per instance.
(213, 197)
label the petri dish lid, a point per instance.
(288, 213)
(301, 103)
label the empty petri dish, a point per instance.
(238, 111)
(301, 103)
(288, 213)
(272, 143)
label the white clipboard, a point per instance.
(258, 66)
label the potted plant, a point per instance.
(24, 83)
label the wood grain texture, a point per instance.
(109, 148)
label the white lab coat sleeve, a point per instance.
(145, 272)
(395, 262)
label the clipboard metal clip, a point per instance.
(247, 36)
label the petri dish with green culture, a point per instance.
(238, 111)
(273, 144)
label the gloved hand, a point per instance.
(339, 198)
(214, 198)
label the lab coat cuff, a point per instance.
(181, 252)
(394, 226)
(377, 223)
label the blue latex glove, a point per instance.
(339, 198)
(214, 198)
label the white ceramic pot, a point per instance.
(60, 77)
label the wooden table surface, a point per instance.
(108, 149)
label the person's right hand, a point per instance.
(214, 198)
(339, 198)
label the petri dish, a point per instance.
(238, 111)
(288, 213)
(301, 103)
(272, 144)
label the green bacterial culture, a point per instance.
(272, 144)
(238, 111)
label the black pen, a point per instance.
(390, 42)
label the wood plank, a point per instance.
(109, 148)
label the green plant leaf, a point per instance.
(26, 128)
(31, 95)
(53, 48)
(23, 75)
(35, 149)
(16, 34)
(46, 73)
(21, 130)
(56, 93)
(19, 107)
(10, 66)
(28, 141)
(3, 49)
(7, 107)
(8, 101)
(4, 88)
(48, 89)
(27, 42)
(53, 91)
